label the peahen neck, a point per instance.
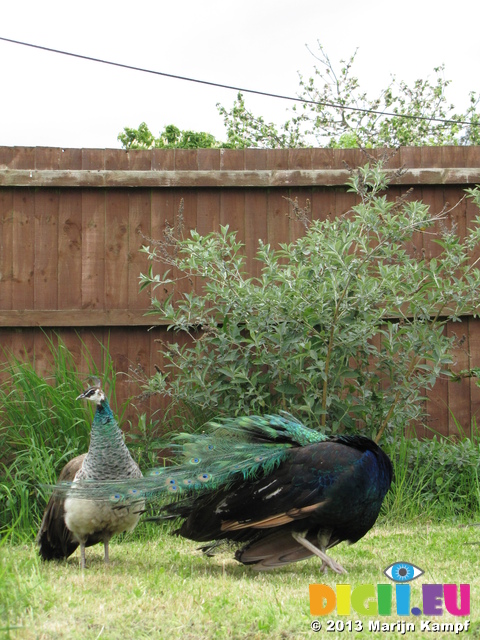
(108, 456)
(104, 416)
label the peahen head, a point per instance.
(94, 394)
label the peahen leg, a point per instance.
(105, 544)
(82, 555)
(334, 566)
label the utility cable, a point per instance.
(240, 89)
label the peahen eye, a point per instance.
(403, 572)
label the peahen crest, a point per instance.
(229, 449)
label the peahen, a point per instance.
(71, 520)
(279, 490)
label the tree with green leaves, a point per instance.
(170, 138)
(336, 112)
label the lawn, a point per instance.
(162, 587)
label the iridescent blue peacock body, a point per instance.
(72, 519)
(282, 491)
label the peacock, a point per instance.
(70, 519)
(278, 490)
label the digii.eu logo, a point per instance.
(390, 599)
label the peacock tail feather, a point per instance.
(231, 448)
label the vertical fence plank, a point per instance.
(24, 237)
(18, 342)
(47, 157)
(438, 419)
(118, 345)
(209, 160)
(70, 159)
(186, 213)
(23, 158)
(474, 360)
(70, 250)
(278, 217)
(453, 157)
(278, 221)
(232, 159)
(46, 249)
(93, 159)
(89, 348)
(232, 201)
(458, 393)
(255, 211)
(163, 207)
(116, 249)
(42, 342)
(208, 211)
(6, 248)
(232, 211)
(139, 358)
(139, 229)
(324, 203)
(93, 249)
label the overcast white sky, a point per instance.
(52, 100)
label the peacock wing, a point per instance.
(328, 485)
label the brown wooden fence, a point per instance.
(73, 220)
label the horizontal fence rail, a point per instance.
(223, 179)
(73, 221)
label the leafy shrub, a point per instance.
(344, 327)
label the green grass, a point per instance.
(163, 587)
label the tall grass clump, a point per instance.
(42, 426)
(436, 479)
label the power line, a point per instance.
(240, 89)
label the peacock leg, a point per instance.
(326, 561)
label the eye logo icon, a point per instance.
(403, 572)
